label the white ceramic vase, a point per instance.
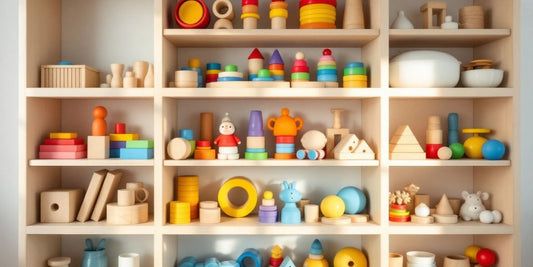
(402, 22)
(129, 260)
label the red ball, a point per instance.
(486, 257)
(326, 52)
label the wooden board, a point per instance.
(91, 195)
(106, 193)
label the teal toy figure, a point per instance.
(94, 257)
(290, 213)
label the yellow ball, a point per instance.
(350, 257)
(471, 252)
(268, 195)
(473, 147)
(332, 206)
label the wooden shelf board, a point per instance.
(91, 162)
(457, 92)
(247, 93)
(269, 37)
(251, 226)
(461, 228)
(451, 163)
(90, 227)
(445, 38)
(271, 163)
(90, 92)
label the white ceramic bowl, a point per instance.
(424, 68)
(420, 258)
(482, 77)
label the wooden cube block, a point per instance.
(97, 147)
(60, 205)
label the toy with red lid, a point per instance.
(300, 70)
(285, 129)
(327, 69)
(276, 66)
(278, 14)
(249, 16)
(227, 141)
(191, 14)
(255, 63)
(318, 14)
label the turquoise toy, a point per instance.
(493, 149)
(290, 213)
(188, 262)
(354, 199)
(94, 257)
(253, 254)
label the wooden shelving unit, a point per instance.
(51, 30)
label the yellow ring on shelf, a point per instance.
(318, 11)
(229, 208)
(317, 17)
(355, 77)
(191, 12)
(249, 15)
(212, 71)
(315, 20)
(279, 12)
(476, 130)
(318, 6)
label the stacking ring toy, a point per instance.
(191, 14)
(229, 208)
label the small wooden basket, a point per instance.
(69, 76)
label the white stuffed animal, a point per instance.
(473, 205)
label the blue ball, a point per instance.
(354, 199)
(493, 149)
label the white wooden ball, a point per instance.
(486, 216)
(497, 216)
(422, 210)
(444, 153)
(313, 139)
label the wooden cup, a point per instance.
(125, 197)
(395, 260)
(141, 194)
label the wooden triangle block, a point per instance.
(363, 151)
(400, 148)
(287, 262)
(347, 144)
(404, 140)
(404, 130)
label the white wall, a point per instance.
(8, 140)
(8, 105)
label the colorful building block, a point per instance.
(123, 137)
(63, 155)
(62, 148)
(140, 144)
(63, 135)
(136, 153)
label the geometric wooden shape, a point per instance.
(134, 214)
(422, 220)
(106, 194)
(347, 144)
(400, 148)
(69, 76)
(60, 205)
(90, 196)
(444, 207)
(330, 139)
(97, 147)
(421, 199)
(404, 140)
(433, 8)
(407, 156)
(404, 130)
(439, 218)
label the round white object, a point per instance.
(486, 216)
(179, 148)
(444, 153)
(420, 257)
(422, 210)
(497, 216)
(424, 68)
(313, 139)
(482, 78)
(128, 260)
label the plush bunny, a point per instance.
(290, 213)
(473, 205)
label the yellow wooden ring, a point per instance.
(250, 15)
(279, 4)
(349, 78)
(279, 12)
(277, 72)
(191, 12)
(315, 20)
(318, 6)
(229, 208)
(317, 12)
(322, 17)
(405, 213)
(476, 130)
(249, 9)
(212, 72)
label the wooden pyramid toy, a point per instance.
(404, 145)
(351, 147)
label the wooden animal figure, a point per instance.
(290, 213)
(473, 205)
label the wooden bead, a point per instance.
(223, 9)
(129, 80)
(223, 24)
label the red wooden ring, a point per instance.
(203, 143)
(400, 219)
(398, 206)
(211, 76)
(276, 67)
(300, 69)
(202, 23)
(249, 2)
(285, 139)
(432, 151)
(309, 2)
